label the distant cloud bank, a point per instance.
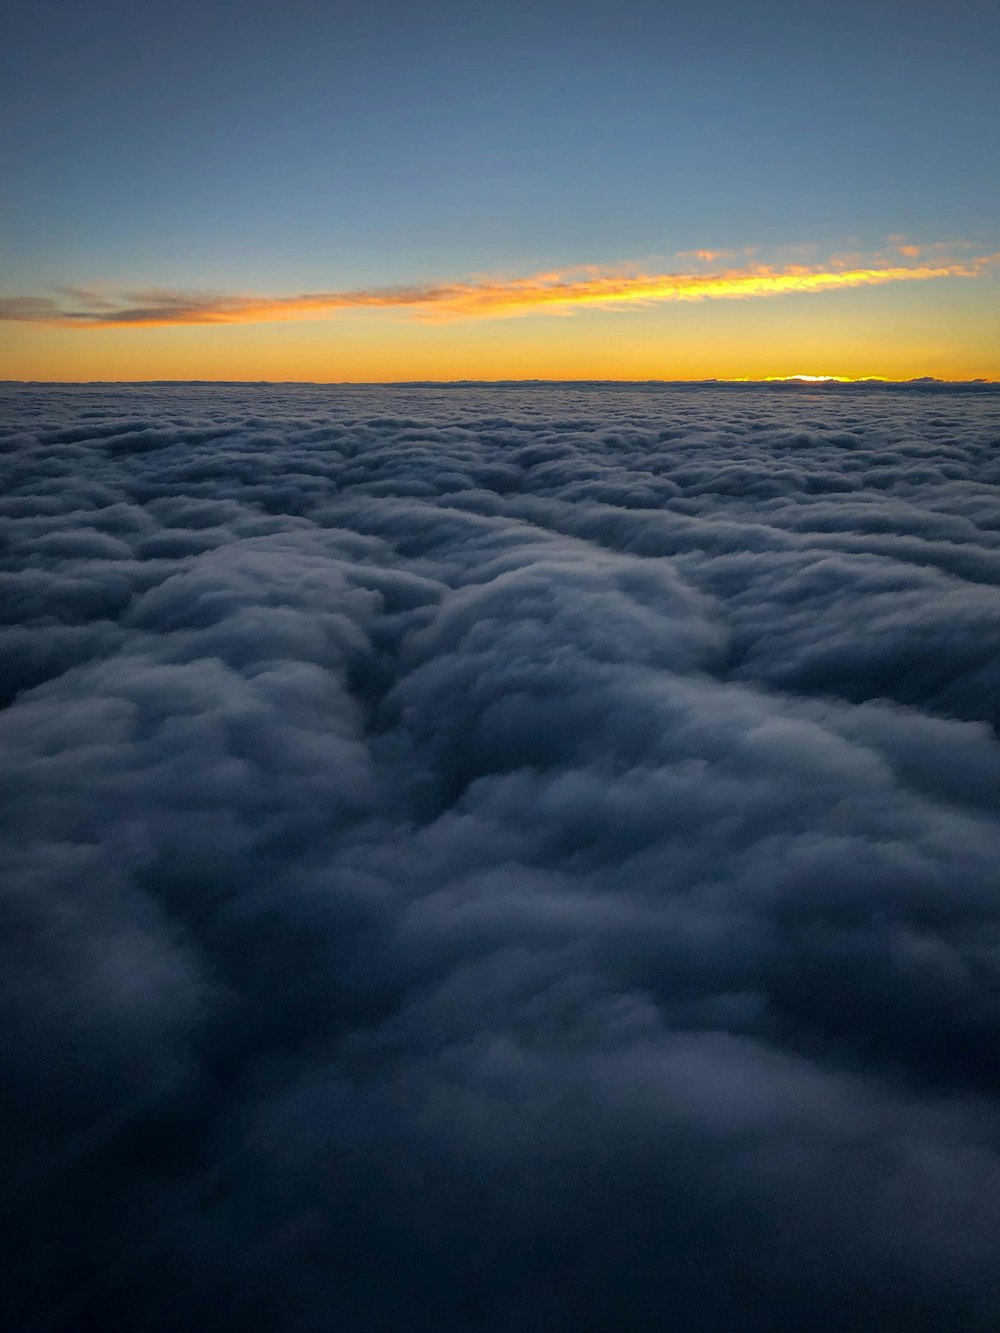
(559, 291)
(500, 859)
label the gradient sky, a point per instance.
(387, 191)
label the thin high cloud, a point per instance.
(558, 291)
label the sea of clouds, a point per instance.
(500, 860)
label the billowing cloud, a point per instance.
(488, 858)
(559, 291)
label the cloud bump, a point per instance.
(486, 858)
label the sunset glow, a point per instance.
(573, 323)
(558, 292)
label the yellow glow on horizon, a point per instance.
(823, 379)
(901, 331)
(184, 354)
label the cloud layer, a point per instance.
(557, 292)
(500, 859)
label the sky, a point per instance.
(551, 190)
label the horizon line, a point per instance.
(768, 381)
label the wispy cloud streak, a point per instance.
(560, 291)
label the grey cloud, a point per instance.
(483, 859)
